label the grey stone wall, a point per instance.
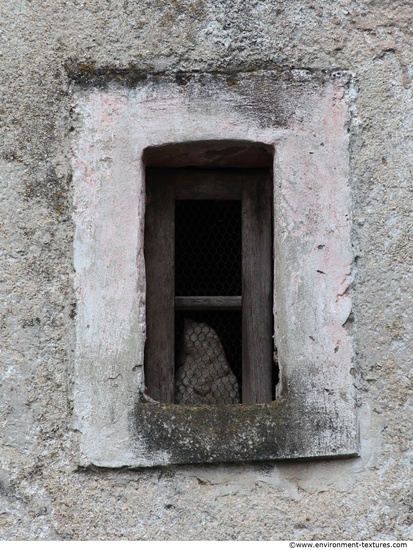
(46, 45)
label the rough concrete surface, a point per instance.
(47, 45)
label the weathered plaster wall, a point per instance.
(44, 494)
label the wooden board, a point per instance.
(160, 286)
(257, 322)
(218, 185)
(207, 303)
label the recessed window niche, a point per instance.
(278, 140)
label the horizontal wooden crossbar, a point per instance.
(208, 303)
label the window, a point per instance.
(292, 125)
(208, 252)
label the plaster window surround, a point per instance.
(303, 120)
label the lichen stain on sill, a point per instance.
(211, 433)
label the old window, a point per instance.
(208, 252)
(292, 124)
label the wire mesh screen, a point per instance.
(208, 262)
(208, 254)
(208, 357)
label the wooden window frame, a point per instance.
(253, 187)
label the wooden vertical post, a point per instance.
(257, 324)
(160, 287)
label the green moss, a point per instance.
(232, 81)
(86, 68)
(198, 9)
(167, 19)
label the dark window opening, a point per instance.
(208, 262)
(208, 255)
